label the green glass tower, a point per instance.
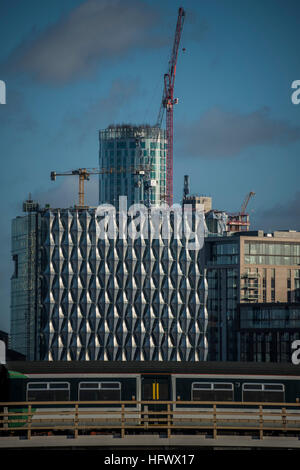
(133, 164)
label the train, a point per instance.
(178, 382)
(143, 394)
(146, 396)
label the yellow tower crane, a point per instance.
(84, 175)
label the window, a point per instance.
(121, 145)
(272, 253)
(207, 391)
(273, 295)
(263, 392)
(16, 267)
(252, 387)
(98, 391)
(48, 391)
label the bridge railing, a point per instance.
(170, 417)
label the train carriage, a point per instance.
(154, 381)
(187, 385)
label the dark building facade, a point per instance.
(266, 331)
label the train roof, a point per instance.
(155, 367)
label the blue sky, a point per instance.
(72, 67)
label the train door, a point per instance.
(156, 389)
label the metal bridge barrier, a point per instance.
(170, 417)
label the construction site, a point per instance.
(136, 161)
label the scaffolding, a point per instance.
(131, 131)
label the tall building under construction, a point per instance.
(133, 164)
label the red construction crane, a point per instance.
(167, 104)
(246, 200)
(240, 220)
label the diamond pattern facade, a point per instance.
(104, 299)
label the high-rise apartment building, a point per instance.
(133, 161)
(250, 267)
(24, 298)
(79, 294)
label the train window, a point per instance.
(263, 392)
(37, 386)
(202, 391)
(58, 386)
(99, 391)
(274, 387)
(212, 391)
(223, 386)
(87, 385)
(92, 385)
(202, 386)
(48, 391)
(110, 385)
(252, 387)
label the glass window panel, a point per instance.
(110, 395)
(223, 386)
(203, 395)
(88, 395)
(223, 395)
(57, 395)
(247, 259)
(89, 385)
(59, 385)
(277, 249)
(110, 385)
(273, 387)
(201, 386)
(37, 386)
(38, 395)
(252, 386)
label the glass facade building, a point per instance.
(25, 255)
(222, 268)
(80, 296)
(124, 150)
(267, 331)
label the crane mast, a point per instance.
(167, 104)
